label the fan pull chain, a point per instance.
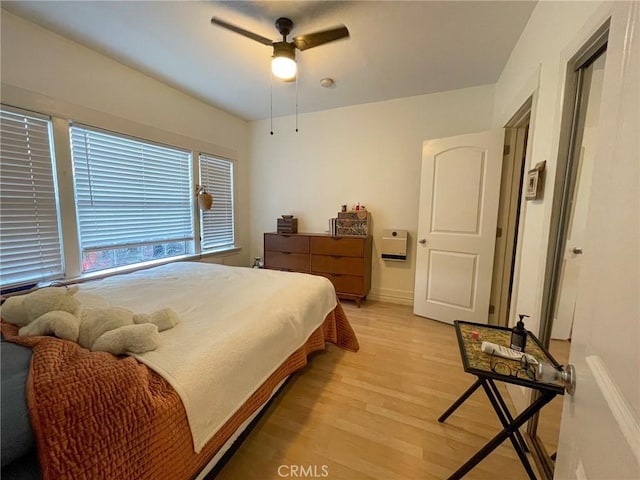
(297, 103)
(271, 101)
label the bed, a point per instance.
(169, 412)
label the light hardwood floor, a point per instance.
(373, 414)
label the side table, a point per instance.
(478, 363)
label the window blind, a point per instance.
(129, 192)
(30, 241)
(217, 229)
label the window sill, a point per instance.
(142, 266)
(85, 277)
(219, 252)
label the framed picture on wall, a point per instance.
(534, 182)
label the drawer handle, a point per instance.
(286, 253)
(336, 274)
(285, 236)
(335, 238)
(336, 256)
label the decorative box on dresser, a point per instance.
(346, 261)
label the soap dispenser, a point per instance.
(519, 335)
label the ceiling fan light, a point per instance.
(283, 64)
(284, 68)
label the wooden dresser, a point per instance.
(346, 261)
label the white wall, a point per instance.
(367, 153)
(535, 67)
(46, 72)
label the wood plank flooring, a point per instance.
(373, 414)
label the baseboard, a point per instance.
(390, 295)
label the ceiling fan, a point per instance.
(283, 64)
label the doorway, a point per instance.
(459, 190)
(591, 86)
(513, 162)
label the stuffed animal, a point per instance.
(23, 309)
(56, 311)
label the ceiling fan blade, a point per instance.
(303, 42)
(242, 31)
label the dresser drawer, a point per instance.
(344, 246)
(286, 243)
(346, 283)
(337, 264)
(287, 261)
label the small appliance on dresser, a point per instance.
(345, 260)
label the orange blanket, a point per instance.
(95, 415)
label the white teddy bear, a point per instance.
(56, 311)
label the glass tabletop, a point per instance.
(477, 362)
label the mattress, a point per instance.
(231, 320)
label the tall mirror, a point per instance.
(569, 221)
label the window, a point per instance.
(217, 230)
(30, 241)
(133, 199)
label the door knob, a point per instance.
(422, 241)
(567, 376)
(577, 250)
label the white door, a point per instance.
(565, 309)
(600, 432)
(459, 193)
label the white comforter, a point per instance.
(237, 326)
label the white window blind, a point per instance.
(30, 245)
(133, 199)
(217, 229)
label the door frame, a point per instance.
(566, 176)
(517, 131)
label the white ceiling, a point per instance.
(396, 49)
